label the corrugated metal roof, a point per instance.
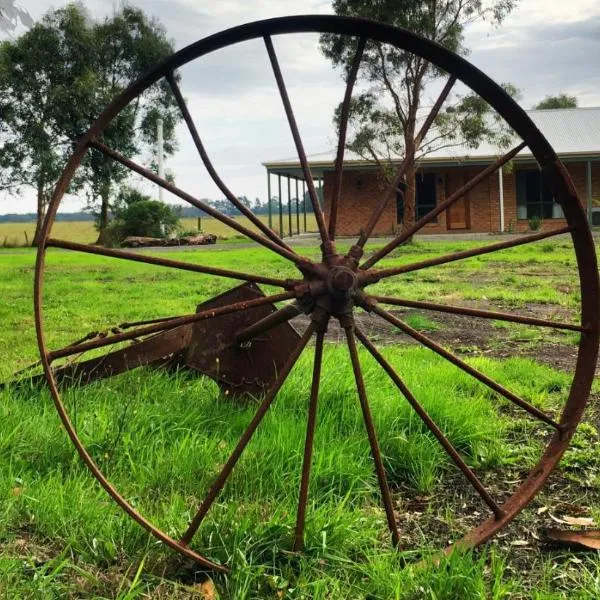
(570, 131)
(574, 130)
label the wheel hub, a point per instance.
(342, 281)
(334, 287)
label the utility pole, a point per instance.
(159, 149)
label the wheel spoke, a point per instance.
(217, 486)
(442, 206)
(170, 323)
(212, 171)
(229, 221)
(430, 424)
(277, 318)
(297, 141)
(345, 114)
(476, 312)
(408, 159)
(165, 262)
(429, 343)
(375, 275)
(366, 411)
(308, 444)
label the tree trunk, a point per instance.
(410, 196)
(103, 219)
(41, 213)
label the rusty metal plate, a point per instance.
(158, 350)
(246, 369)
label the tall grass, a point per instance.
(163, 438)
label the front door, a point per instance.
(457, 216)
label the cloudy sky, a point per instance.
(544, 47)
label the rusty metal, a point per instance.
(461, 364)
(374, 275)
(283, 315)
(213, 172)
(209, 210)
(344, 116)
(386, 496)
(167, 262)
(241, 367)
(309, 441)
(162, 325)
(310, 184)
(246, 436)
(477, 312)
(157, 350)
(333, 287)
(430, 424)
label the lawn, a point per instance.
(163, 437)
(84, 232)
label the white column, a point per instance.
(159, 151)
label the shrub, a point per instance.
(535, 223)
(136, 214)
(149, 218)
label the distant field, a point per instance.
(15, 234)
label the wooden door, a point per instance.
(457, 216)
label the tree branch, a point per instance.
(388, 84)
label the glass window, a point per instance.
(426, 196)
(534, 199)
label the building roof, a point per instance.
(572, 132)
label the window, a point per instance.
(426, 196)
(534, 199)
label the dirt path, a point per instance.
(469, 336)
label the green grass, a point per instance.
(543, 277)
(174, 432)
(421, 323)
(162, 438)
(86, 293)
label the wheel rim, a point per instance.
(340, 280)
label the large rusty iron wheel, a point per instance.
(336, 287)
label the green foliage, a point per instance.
(136, 214)
(36, 123)
(149, 217)
(45, 107)
(559, 101)
(421, 323)
(535, 223)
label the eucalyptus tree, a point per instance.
(56, 79)
(385, 115)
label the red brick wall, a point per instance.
(361, 190)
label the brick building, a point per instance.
(505, 202)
